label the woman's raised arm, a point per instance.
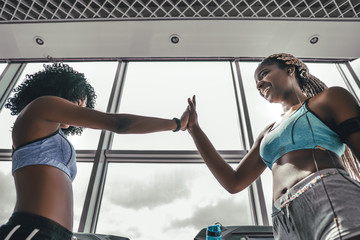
(250, 167)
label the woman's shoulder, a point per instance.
(333, 95)
(46, 98)
(337, 102)
(333, 92)
(41, 109)
(44, 102)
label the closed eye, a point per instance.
(263, 74)
(260, 77)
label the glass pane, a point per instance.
(7, 186)
(101, 76)
(80, 185)
(6, 120)
(354, 85)
(328, 73)
(2, 67)
(356, 66)
(161, 89)
(166, 201)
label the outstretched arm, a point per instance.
(232, 180)
(46, 114)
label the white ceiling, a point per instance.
(107, 29)
(198, 39)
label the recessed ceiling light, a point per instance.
(39, 40)
(314, 39)
(174, 38)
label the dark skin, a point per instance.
(46, 190)
(333, 106)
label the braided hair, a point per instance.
(311, 86)
(57, 79)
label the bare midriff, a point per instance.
(296, 165)
(45, 191)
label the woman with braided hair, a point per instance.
(314, 196)
(50, 105)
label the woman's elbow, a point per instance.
(234, 189)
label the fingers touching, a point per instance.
(192, 103)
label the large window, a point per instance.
(7, 188)
(143, 199)
(2, 67)
(356, 66)
(80, 184)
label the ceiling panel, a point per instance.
(143, 29)
(73, 10)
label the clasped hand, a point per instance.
(189, 117)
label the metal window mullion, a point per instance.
(256, 193)
(95, 189)
(81, 155)
(146, 156)
(8, 79)
(250, 140)
(241, 124)
(346, 80)
(168, 156)
(353, 74)
(244, 104)
(5, 155)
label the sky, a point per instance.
(166, 201)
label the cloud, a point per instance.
(152, 192)
(225, 211)
(134, 232)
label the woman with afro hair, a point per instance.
(316, 188)
(50, 105)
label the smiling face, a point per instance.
(273, 83)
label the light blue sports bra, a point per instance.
(54, 150)
(294, 133)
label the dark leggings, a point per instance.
(26, 226)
